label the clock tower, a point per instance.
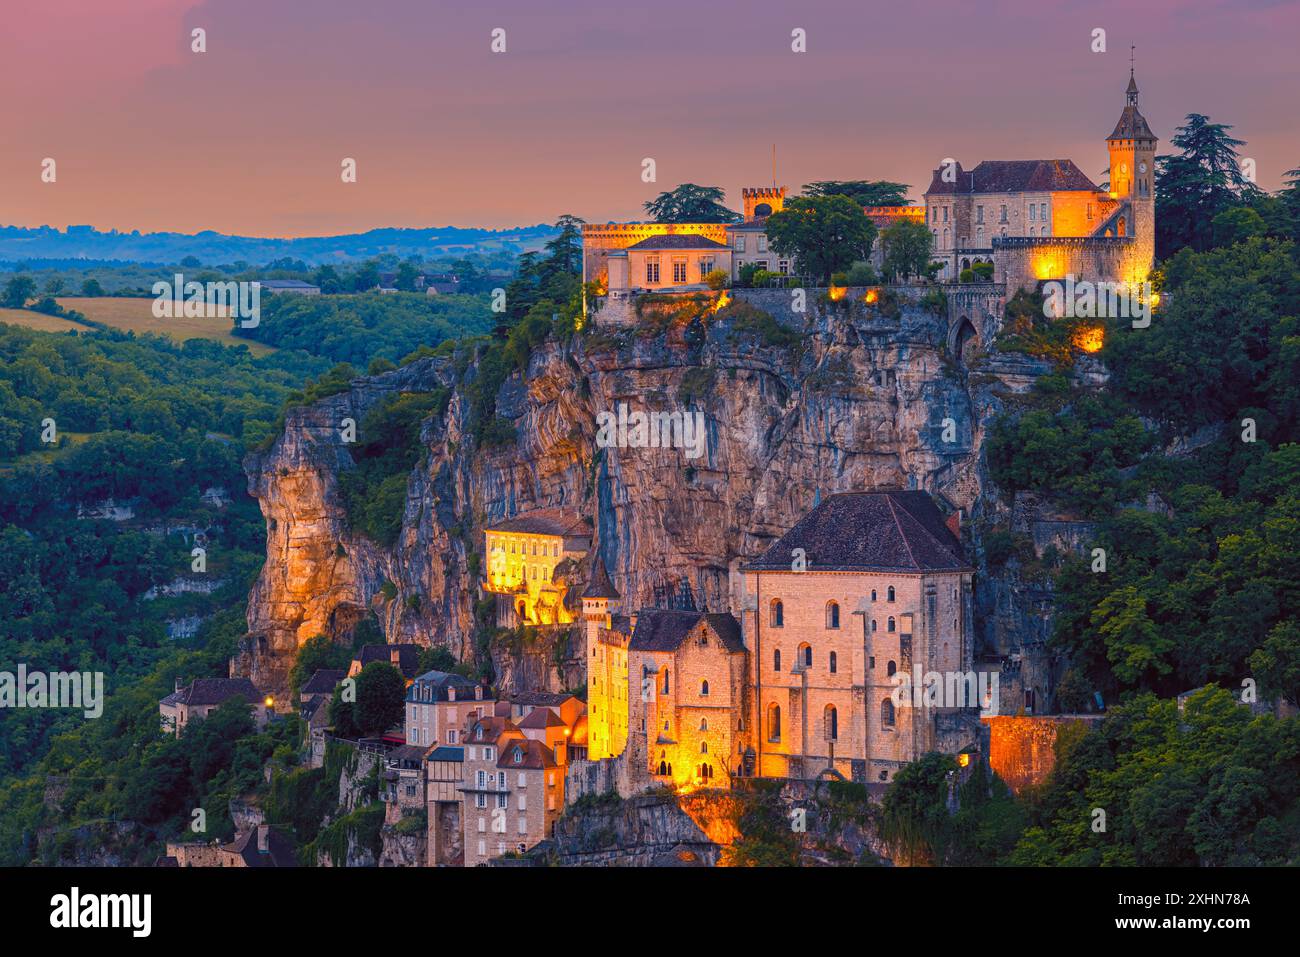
(1132, 148)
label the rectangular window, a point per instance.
(783, 267)
(482, 849)
(1042, 212)
(652, 271)
(1002, 218)
(979, 214)
(480, 800)
(523, 779)
(523, 825)
(762, 242)
(679, 269)
(481, 779)
(706, 265)
(1033, 212)
(740, 242)
(482, 825)
(945, 214)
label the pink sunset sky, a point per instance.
(248, 137)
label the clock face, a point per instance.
(1142, 167)
(1123, 167)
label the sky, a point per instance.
(249, 136)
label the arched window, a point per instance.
(704, 747)
(704, 688)
(663, 768)
(805, 655)
(833, 662)
(832, 615)
(774, 722)
(873, 594)
(778, 613)
(832, 723)
(704, 724)
(665, 680)
(890, 593)
(887, 713)
(891, 623)
(776, 659)
(891, 669)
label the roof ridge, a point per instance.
(903, 535)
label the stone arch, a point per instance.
(962, 339)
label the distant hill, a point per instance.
(18, 243)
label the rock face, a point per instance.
(864, 397)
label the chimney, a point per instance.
(395, 657)
(263, 835)
(179, 686)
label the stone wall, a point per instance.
(1022, 750)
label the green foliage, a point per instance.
(388, 447)
(863, 192)
(747, 319)
(914, 815)
(316, 653)
(822, 234)
(359, 328)
(689, 203)
(379, 705)
(907, 245)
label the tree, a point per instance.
(381, 695)
(566, 248)
(907, 247)
(92, 288)
(1277, 663)
(689, 203)
(18, 290)
(914, 818)
(316, 653)
(437, 658)
(864, 192)
(1197, 184)
(823, 234)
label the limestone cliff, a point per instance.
(858, 397)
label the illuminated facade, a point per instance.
(1043, 219)
(883, 591)
(606, 654)
(522, 557)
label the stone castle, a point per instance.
(1033, 220)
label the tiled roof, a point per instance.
(664, 629)
(533, 755)
(599, 586)
(870, 531)
(408, 657)
(546, 521)
(440, 682)
(206, 691)
(445, 752)
(1014, 176)
(541, 718)
(322, 681)
(279, 851)
(678, 242)
(1132, 125)
(538, 698)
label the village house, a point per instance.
(404, 657)
(202, 696)
(445, 773)
(438, 704)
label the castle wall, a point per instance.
(1022, 750)
(1021, 263)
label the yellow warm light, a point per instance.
(1155, 299)
(723, 300)
(963, 760)
(1047, 267)
(837, 293)
(270, 702)
(522, 565)
(1089, 339)
(872, 296)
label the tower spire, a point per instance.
(1132, 91)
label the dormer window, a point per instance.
(519, 756)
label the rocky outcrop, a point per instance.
(862, 397)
